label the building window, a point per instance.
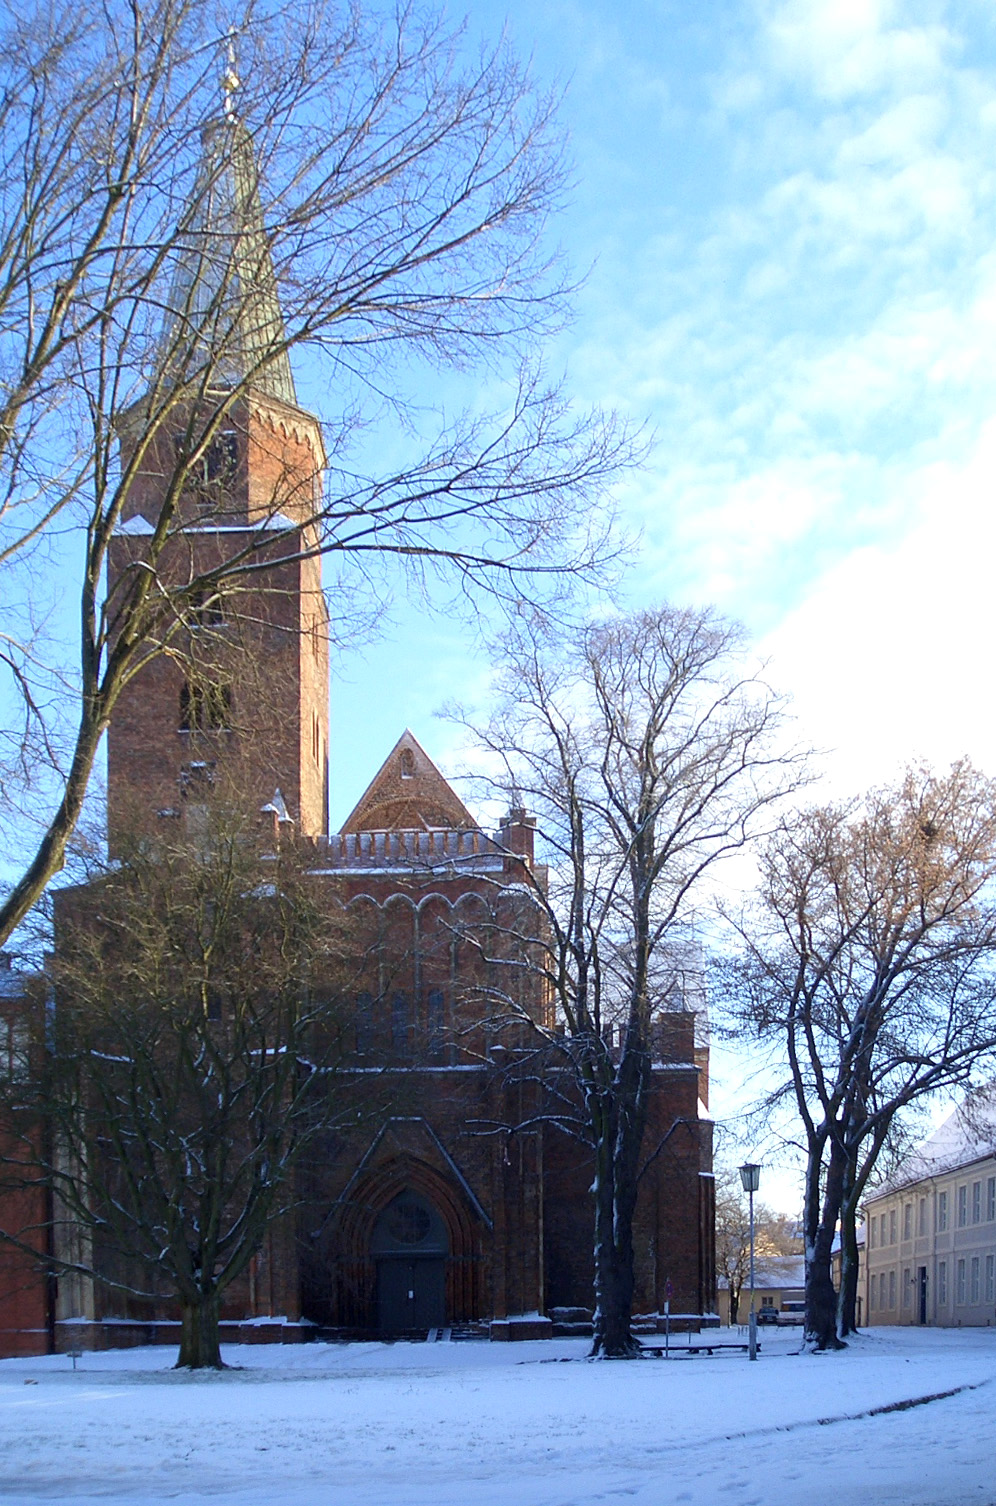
(221, 457)
(15, 1055)
(196, 779)
(960, 1277)
(316, 739)
(217, 463)
(205, 708)
(974, 1293)
(400, 1020)
(206, 608)
(364, 1023)
(907, 1286)
(976, 1202)
(872, 1294)
(908, 1221)
(434, 1009)
(892, 1291)
(407, 762)
(435, 1022)
(991, 1199)
(991, 1278)
(962, 1206)
(942, 1212)
(921, 1220)
(942, 1283)
(893, 1221)
(871, 1233)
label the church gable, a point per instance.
(408, 793)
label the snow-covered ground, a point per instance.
(476, 1424)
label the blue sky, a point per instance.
(789, 212)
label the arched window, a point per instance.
(364, 1023)
(205, 708)
(407, 764)
(400, 1021)
(409, 1224)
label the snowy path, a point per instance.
(508, 1425)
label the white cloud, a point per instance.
(824, 333)
(890, 657)
(843, 48)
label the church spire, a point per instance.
(224, 298)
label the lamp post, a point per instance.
(750, 1176)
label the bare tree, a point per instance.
(868, 961)
(362, 190)
(192, 1058)
(648, 757)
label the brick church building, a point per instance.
(443, 1212)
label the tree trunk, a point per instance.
(200, 1340)
(734, 1305)
(616, 1160)
(820, 1224)
(847, 1297)
(612, 1338)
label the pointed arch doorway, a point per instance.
(409, 1245)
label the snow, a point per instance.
(530, 1424)
(139, 526)
(968, 1134)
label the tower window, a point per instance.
(205, 708)
(221, 457)
(316, 739)
(196, 779)
(217, 462)
(207, 608)
(407, 764)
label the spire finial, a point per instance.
(230, 81)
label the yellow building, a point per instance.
(931, 1246)
(779, 1291)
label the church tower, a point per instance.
(234, 693)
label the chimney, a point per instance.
(516, 833)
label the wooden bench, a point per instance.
(710, 1349)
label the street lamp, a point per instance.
(750, 1176)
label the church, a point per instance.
(463, 1206)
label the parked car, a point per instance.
(792, 1312)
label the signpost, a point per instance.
(668, 1294)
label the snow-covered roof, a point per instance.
(140, 527)
(968, 1134)
(776, 1273)
(780, 1270)
(277, 806)
(859, 1234)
